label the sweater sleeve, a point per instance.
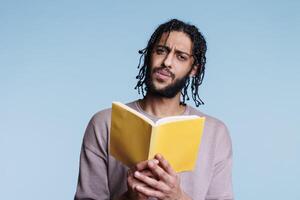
(92, 179)
(221, 184)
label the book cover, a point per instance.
(135, 138)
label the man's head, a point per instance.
(175, 52)
(171, 63)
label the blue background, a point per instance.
(62, 61)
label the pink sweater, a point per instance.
(102, 177)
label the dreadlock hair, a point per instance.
(199, 50)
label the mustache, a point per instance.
(164, 68)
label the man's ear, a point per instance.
(194, 70)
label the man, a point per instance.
(175, 54)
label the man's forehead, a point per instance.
(176, 39)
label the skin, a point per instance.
(171, 60)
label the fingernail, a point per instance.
(151, 163)
(155, 161)
(136, 173)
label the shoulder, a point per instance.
(210, 121)
(104, 116)
(96, 133)
(216, 135)
(215, 130)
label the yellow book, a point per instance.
(135, 138)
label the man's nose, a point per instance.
(169, 60)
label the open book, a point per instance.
(135, 138)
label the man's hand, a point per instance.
(133, 183)
(164, 185)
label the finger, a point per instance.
(143, 165)
(148, 173)
(165, 164)
(140, 166)
(132, 182)
(159, 172)
(150, 192)
(159, 185)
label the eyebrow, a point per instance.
(177, 51)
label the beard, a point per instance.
(169, 91)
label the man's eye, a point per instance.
(160, 51)
(181, 57)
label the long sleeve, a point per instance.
(221, 184)
(92, 180)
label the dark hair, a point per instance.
(199, 50)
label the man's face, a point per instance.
(170, 65)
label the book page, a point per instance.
(179, 142)
(175, 118)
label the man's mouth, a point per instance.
(163, 74)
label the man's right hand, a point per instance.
(132, 182)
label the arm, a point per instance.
(221, 184)
(92, 180)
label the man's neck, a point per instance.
(162, 107)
